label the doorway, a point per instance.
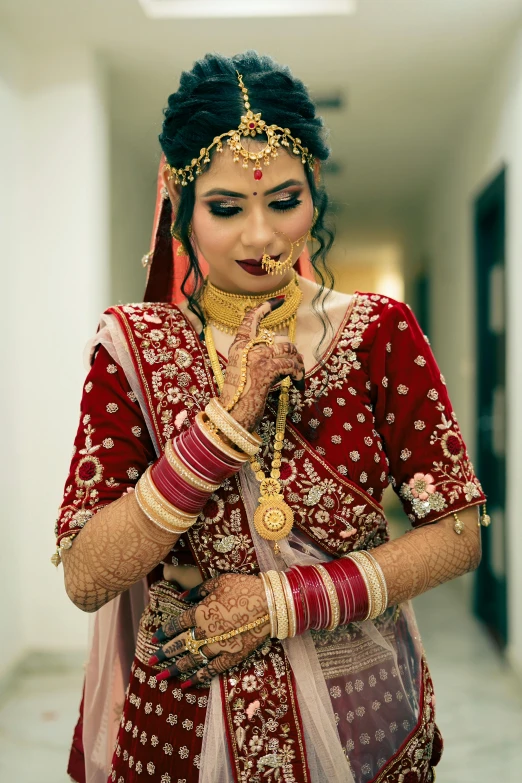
(490, 602)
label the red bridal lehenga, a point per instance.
(353, 705)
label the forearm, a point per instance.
(118, 547)
(425, 558)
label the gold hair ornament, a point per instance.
(251, 125)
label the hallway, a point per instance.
(479, 705)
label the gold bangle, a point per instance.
(335, 609)
(381, 577)
(280, 603)
(271, 605)
(193, 645)
(219, 442)
(182, 470)
(290, 606)
(252, 437)
(375, 591)
(231, 428)
(159, 508)
(163, 525)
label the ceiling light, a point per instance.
(197, 9)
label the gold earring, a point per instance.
(182, 250)
(309, 237)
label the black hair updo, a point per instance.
(208, 103)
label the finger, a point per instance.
(217, 666)
(170, 649)
(183, 665)
(175, 625)
(200, 591)
(250, 324)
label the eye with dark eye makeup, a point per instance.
(227, 210)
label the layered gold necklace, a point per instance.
(226, 311)
(273, 518)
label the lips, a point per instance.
(253, 265)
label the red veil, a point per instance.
(166, 270)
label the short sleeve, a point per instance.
(429, 466)
(111, 450)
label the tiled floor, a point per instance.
(479, 706)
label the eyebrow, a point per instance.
(233, 194)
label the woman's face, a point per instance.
(236, 219)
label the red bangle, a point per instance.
(175, 489)
(315, 597)
(193, 452)
(203, 437)
(349, 571)
(300, 615)
(313, 609)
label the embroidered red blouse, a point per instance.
(377, 410)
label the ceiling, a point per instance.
(410, 71)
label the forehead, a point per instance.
(224, 173)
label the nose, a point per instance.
(257, 233)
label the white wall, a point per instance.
(55, 237)
(10, 561)
(492, 137)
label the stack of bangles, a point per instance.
(326, 595)
(173, 491)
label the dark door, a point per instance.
(491, 582)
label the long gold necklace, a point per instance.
(273, 518)
(226, 311)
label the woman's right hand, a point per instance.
(265, 366)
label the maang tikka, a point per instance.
(251, 125)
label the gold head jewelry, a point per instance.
(226, 311)
(251, 125)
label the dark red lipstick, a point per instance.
(253, 265)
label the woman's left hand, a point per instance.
(226, 603)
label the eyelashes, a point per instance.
(224, 210)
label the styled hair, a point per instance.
(208, 103)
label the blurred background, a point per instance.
(423, 101)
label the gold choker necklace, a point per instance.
(226, 311)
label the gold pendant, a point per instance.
(273, 518)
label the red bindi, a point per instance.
(255, 193)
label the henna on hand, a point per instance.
(228, 602)
(428, 556)
(265, 366)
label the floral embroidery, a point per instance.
(402, 389)
(111, 407)
(452, 446)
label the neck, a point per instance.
(228, 287)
